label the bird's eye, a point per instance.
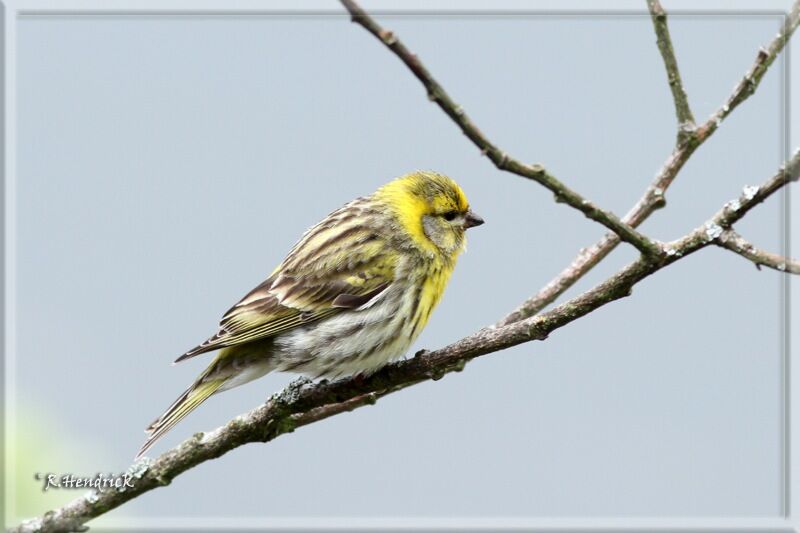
(450, 215)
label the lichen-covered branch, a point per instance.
(500, 158)
(714, 230)
(737, 244)
(304, 402)
(654, 197)
(664, 42)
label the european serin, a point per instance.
(352, 294)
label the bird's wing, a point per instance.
(332, 268)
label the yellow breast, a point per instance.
(428, 293)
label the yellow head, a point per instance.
(432, 210)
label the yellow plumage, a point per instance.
(350, 296)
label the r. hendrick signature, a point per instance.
(71, 481)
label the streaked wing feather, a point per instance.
(334, 267)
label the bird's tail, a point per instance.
(187, 402)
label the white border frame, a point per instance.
(10, 14)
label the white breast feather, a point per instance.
(332, 346)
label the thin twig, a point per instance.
(654, 197)
(681, 100)
(500, 158)
(304, 402)
(752, 79)
(736, 243)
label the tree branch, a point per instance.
(713, 231)
(304, 402)
(500, 158)
(682, 109)
(654, 196)
(752, 79)
(735, 243)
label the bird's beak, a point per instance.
(472, 219)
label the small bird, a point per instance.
(350, 296)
